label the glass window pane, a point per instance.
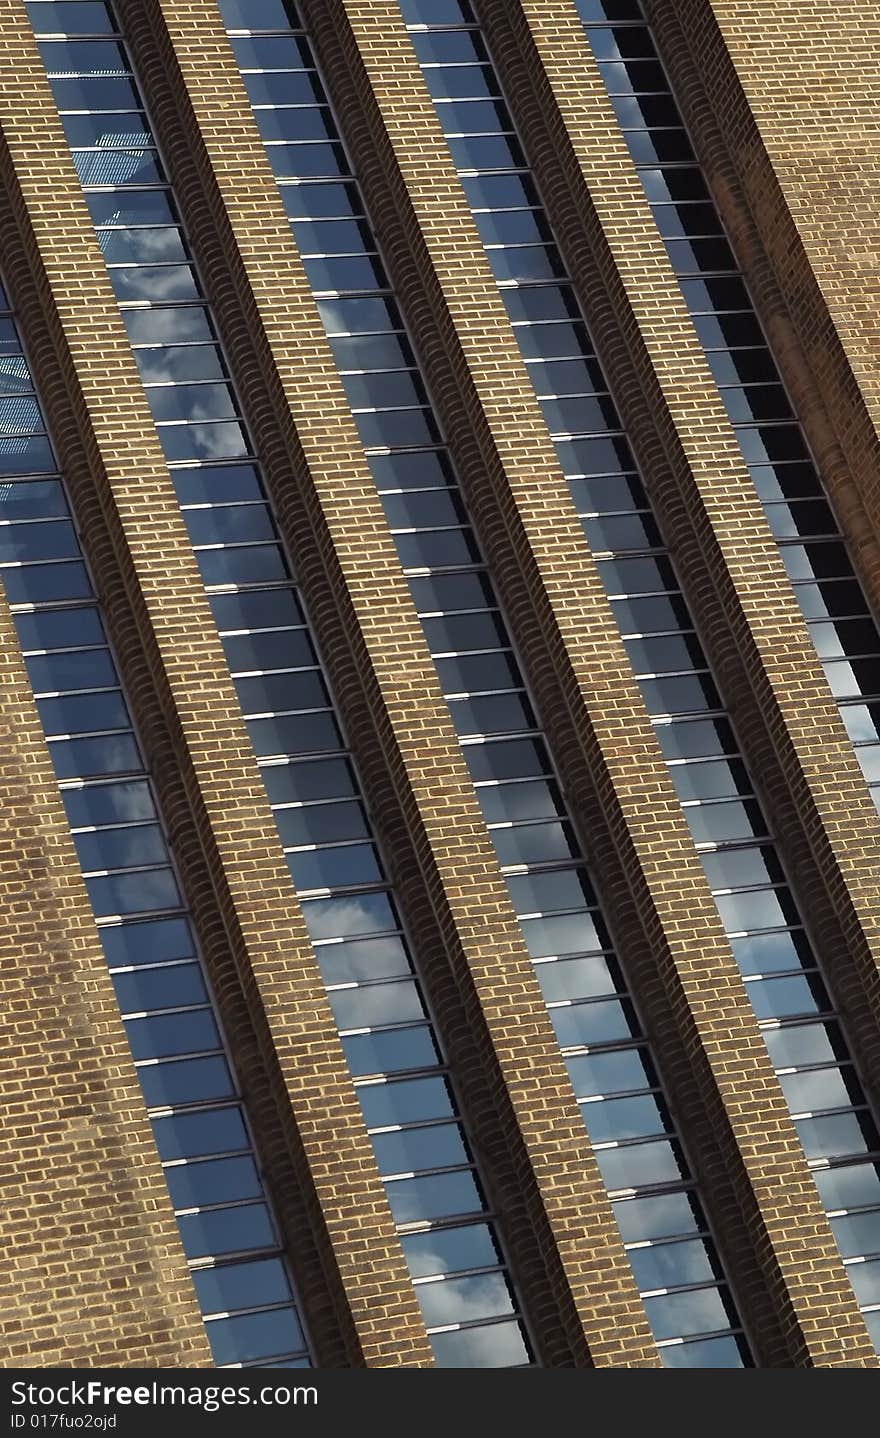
(109, 803)
(122, 848)
(175, 986)
(152, 942)
(188, 1135)
(855, 1186)
(219, 1180)
(709, 1353)
(178, 1081)
(449, 1250)
(74, 17)
(226, 1230)
(496, 1345)
(666, 1265)
(374, 1004)
(242, 1285)
(682, 1313)
(623, 1118)
(406, 1101)
(659, 1216)
(134, 893)
(486, 1295)
(159, 1036)
(643, 1163)
(363, 959)
(390, 1051)
(409, 1151)
(440, 1196)
(108, 754)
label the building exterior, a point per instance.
(440, 700)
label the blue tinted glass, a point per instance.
(710, 1353)
(496, 1345)
(242, 1285)
(608, 1073)
(83, 57)
(109, 803)
(255, 1335)
(484, 1295)
(185, 324)
(391, 1051)
(43, 583)
(150, 942)
(73, 17)
(221, 1180)
(188, 1135)
(449, 1250)
(122, 848)
(92, 669)
(406, 1101)
(680, 1314)
(59, 629)
(419, 1199)
(660, 1216)
(79, 758)
(268, 609)
(163, 988)
(667, 1264)
(359, 914)
(159, 1036)
(181, 1081)
(258, 14)
(420, 1148)
(225, 1230)
(134, 893)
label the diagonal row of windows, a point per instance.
(448, 1233)
(838, 616)
(226, 1223)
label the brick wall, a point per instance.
(75, 1107)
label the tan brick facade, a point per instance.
(797, 183)
(565, 1250)
(651, 870)
(93, 1271)
(305, 1110)
(474, 963)
(752, 626)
